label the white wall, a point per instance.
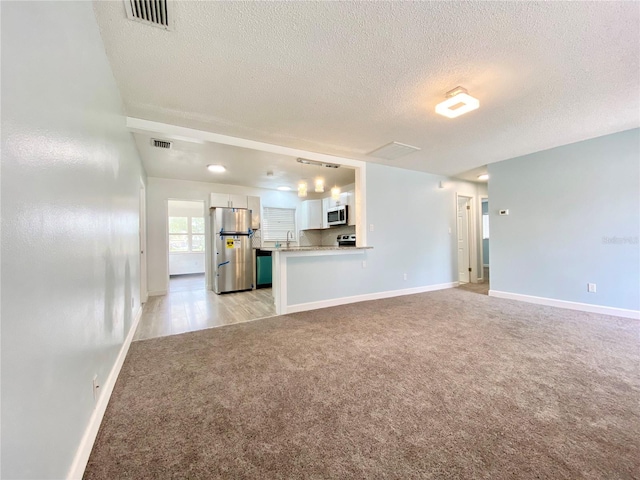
(565, 205)
(411, 217)
(70, 249)
(161, 190)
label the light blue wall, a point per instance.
(70, 264)
(411, 218)
(563, 203)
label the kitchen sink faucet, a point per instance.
(288, 242)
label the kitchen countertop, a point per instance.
(311, 248)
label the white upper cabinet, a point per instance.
(351, 203)
(326, 205)
(312, 215)
(220, 200)
(253, 204)
(238, 201)
(314, 212)
(228, 200)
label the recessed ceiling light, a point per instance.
(484, 176)
(461, 100)
(284, 189)
(216, 168)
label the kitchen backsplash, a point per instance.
(310, 238)
(326, 238)
(329, 236)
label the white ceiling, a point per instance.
(246, 167)
(344, 78)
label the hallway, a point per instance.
(481, 287)
(189, 307)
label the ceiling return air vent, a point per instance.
(393, 150)
(160, 143)
(158, 13)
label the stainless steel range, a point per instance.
(347, 240)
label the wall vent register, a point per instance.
(160, 143)
(157, 13)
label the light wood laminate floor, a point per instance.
(189, 306)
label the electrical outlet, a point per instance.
(96, 387)
(591, 287)
(371, 227)
(449, 230)
(364, 264)
(405, 276)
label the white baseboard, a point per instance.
(86, 444)
(552, 302)
(302, 307)
(157, 292)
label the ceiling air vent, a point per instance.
(160, 143)
(158, 13)
(393, 150)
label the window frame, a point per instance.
(189, 234)
(265, 225)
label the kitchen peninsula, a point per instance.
(282, 255)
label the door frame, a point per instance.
(480, 232)
(142, 237)
(472, 240)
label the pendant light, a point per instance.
(302, 189)
(319, 185)
(335, 193)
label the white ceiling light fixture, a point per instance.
(458, 103)
(216, 168)
(335, 193)
(284, 189)
(484, 176)
(319, 185)
(302, 189)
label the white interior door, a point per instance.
(143, 244)
(464, 205)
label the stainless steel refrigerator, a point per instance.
(232, 253)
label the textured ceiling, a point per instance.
(247, 167)
(347, 77)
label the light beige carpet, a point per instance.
(448, 384)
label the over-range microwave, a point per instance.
(337, 215)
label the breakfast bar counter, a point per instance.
(280, 257)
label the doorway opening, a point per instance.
(142, 231)
(485, 240)
(187, 245)
(463, 216)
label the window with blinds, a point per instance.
(276, 222)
